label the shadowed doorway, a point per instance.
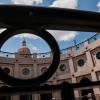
(85, 92)
(46, 96)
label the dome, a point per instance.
(24, 49)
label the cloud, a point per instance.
(2, 29)
(26, 35)
(1, 3)
(63, 35)
(58, 35)
(27, 2)
(72, 4)
(35, 49)
(98, 5)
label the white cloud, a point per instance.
(2, 29)
(98, 5)
(26, 35)
(58, 35)
(35, 49)
(65, 4)
(63, 35)
(27, 2)
(1, 3)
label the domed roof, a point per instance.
(24, 49)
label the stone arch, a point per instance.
(85, 80)
(86, 92)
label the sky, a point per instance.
(64, 38)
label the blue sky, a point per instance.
(64, 38)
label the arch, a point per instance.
(85, 80)
(85, 92)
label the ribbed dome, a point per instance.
(24, 49)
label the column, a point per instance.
(88, 55)
(15, 97)
(56, 95)
(72, 71)
(16, 70)
(36, 96)
(35, 69)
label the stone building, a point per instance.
(79, 63)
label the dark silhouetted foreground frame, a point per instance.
(12, 16)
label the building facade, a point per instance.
(79, 63)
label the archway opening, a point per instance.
(85, 92)
(47, 95)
